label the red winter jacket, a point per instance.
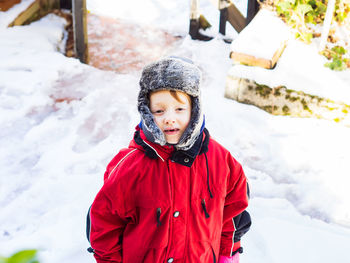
(161, 205)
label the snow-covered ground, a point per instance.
(62, 121)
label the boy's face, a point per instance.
(170, 114)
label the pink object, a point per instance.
(233, 259)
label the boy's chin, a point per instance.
(172, 141)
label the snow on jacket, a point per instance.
(161, 205)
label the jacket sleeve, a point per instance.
(236, 202)
(106, 230)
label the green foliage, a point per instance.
(342, 10)
(337, 55)
(24, 256)
(339, 50)
(299, 13)
(318, 12)
(310, 11)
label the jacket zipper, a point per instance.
(159, 211)
(171, 208)
(214, 256)
(187, 215)
(205, 209)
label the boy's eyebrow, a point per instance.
(159, 103)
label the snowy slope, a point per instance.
(62, 121)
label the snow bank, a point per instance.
(59, 130)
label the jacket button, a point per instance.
(176, 214)
(186, 160)
(170, 260)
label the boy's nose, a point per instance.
(169, 118)
(169, 121)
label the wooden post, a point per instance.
(253, 8)
(223, 19)
(229, 12)
(236, 19)
(80, 30)
(66, 4)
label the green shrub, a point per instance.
(24, 256)
(337, 55)
(299, 13)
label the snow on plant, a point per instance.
(301, 15)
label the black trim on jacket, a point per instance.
(242, 223)
(185, 158)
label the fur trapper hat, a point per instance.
(172, 73)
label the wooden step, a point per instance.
(35, 11)
(250, 60)
(7, 4)
(262, 42)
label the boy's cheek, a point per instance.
(158, 121)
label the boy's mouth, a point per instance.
(171, 131)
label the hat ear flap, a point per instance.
(194, 128)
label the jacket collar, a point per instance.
(183, 157)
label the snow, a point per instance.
(263, 36)
(62, 121)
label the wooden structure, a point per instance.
(80, 30)
(40, 8)
(35, 11)
(230, 13)
(7, 4)
(262, 42)
(251, 60)
(233, 16)
(253, 9)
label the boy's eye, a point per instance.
(180, 109)
(157, 111)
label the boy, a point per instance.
(175, 195)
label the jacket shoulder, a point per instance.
(216, 150)
(217, 147)
(124, 156)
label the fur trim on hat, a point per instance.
(176, 74)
